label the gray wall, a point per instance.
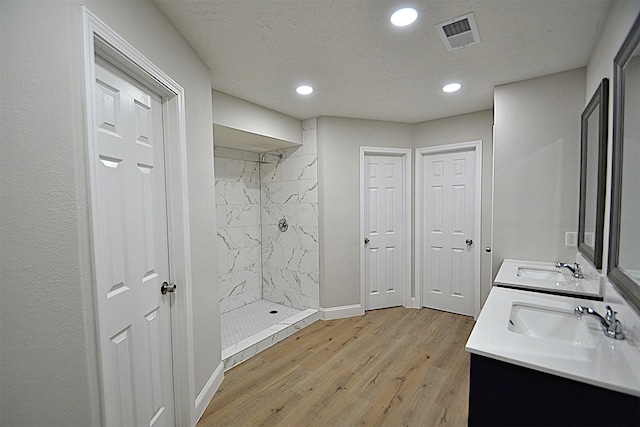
(537, 167)
(47, 340)
(468, 127)
(616, 27)
(339, 142)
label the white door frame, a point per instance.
(99, 38)
(475, 146)
(405, 153)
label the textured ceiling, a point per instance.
(363, 67)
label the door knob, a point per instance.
(167, 287)
(366, 240)
(469, 242)
(487, 249)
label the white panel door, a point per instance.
(132, 257)
(448, 215)
(383, 226)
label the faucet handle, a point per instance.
(577, 271)
(616, 330)
(580, 310)
(614, 327)
(610, 325)
(610, 316)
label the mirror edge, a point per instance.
(600, 98)
(623, 283)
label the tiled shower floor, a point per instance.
(250, 319)
(248, 330)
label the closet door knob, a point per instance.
(469, 242)
(366, 240)
(167, 287)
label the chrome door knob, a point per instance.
(167, 287)
(366, 240)
(469, 242)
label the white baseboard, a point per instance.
(342, 311)
(413, 303)
(209, 389)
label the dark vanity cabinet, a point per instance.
(504, 394)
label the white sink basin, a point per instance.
(550, 323)
(547, 337)
(540, 274)
(547, 278)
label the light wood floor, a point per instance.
(391, 367)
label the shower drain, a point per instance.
(273, 312)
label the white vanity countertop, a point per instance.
(612, 364)
(508, 276)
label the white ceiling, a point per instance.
(363, 67)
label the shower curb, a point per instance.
(249, 347)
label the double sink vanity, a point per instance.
(558, 344)
(538, 357)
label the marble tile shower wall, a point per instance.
(290, 260)
(237, 185)
(256, 260)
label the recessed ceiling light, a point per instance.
(404, 17)
(304, 90)
(452, 87)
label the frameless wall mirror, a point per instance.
(593, 168)
(624, 243)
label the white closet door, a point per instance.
(383, 225)
(448, 211)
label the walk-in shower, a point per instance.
(269, 278)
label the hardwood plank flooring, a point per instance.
(390, 367)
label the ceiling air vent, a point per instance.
(459, 32)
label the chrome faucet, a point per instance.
(575, 269)
(610, 325)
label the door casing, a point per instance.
(475, 146)
(408, 300)
(99, 38)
